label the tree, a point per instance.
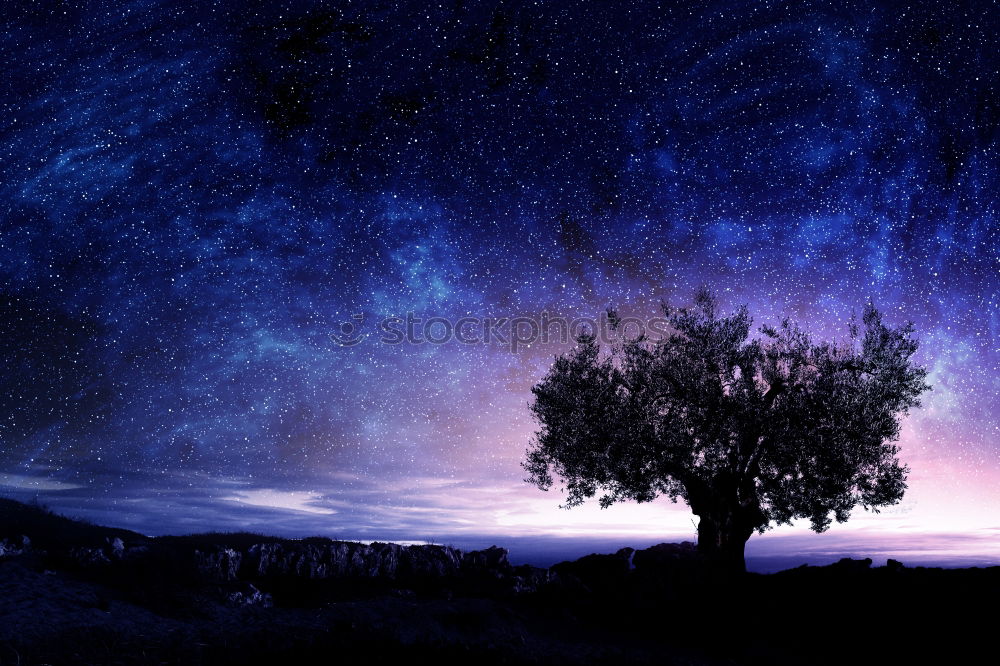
(748, 430)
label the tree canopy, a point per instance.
(749, 429)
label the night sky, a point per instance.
(194, 197)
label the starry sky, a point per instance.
(197, 198)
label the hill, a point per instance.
(72, 592)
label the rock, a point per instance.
(89, 557)
(373, 567)
(492, 560)
(894, 565)
(354, 560)
(667, 561)
(319, 561)
(250, 596)
(113, 550)
(669, 568)
(380, 559)
(265, 558)
(847, 564)
(665, 554)
(422, 568)
(13, 547)
(432, 561)
(527, 579)
(597, 573)
(116, 548)
(221, 565)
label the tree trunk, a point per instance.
(722, 540)
(729, 512)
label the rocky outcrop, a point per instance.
(88, 558)
(112, 550)
(116, 548)
(245, 567)
(16, 546)
(389, 561)
(222, 565)
(848, 564)
(350, 560)
(665, 555)
(249, 596)
(894, 565)
(596, 573)
(383, 564)
(527, 578)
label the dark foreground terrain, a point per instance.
(74, 593)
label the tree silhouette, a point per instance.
(748, 430)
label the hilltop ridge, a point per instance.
(73, 592)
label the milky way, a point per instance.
(196, 198)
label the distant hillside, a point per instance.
(47, 529)
(76, 593)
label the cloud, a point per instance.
(303, 501)
(38, 483)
